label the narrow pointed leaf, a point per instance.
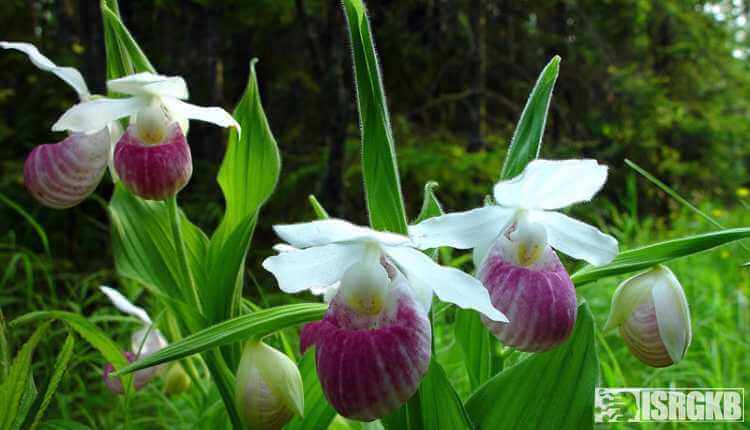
(651, 255)
(61, 365)
(527, 139)
(548, 390)
(248, 176)
(255, 325)
(124, 56)
(382, 184)
(430, 204)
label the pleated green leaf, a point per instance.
(549, 390)
(477, 347)
(255, 325)
(435, 406)
(648, 256)
(382, 184)
(248, 176)
(144, 247)
(318, 412)
(527, 138)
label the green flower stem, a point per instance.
(174, 219)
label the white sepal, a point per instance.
(461, 230)
(150, 84)
(70, 75)
(548, 184)
(323, 232)
(124, 305)
(449, 284)
(95, 114)
(315, 267)
(672, 314)
(575, 238)
(213, 115)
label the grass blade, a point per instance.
(61, 365)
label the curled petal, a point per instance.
(150, 84)
(153, 172)
(547, 184)
(367, 373)
(70, 75)
(214, 115)
(323, 232)
(316, 267)
(540, 300)
(98, 113)
(672, 316)
(577, 239)
(451, 285)
(62, 175)
(461, 230)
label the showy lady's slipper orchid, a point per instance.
(513, 243)
(268, 388)
(152, 158)
(63, 174)
(145, 341)
(374, 344)
(653, 316)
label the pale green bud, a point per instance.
(268, 388)
(653, 316)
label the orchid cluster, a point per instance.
(374, 344)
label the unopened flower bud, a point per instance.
(268, 388)
(653, 316)
(176, 380)
(140, 377)
(154, 172)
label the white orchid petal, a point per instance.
(630, 294)
(150, 84)
(327, 231)
(672, 314)
(96, 114)
(548, 184)
(70, 75)
(461, 230)
(576, 239)
(283, 247)
(214, 115)
(124, 305)
(316, 267)
(449, 284)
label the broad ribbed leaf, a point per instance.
(477, 347)
(647, 256)
(318, 412)
(248, 176)
(527, 139)
(435, 406)
(382, 184)
(255, 325)
(144, 248)
(16, 384)
(549, 390)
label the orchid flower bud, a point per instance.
(653, 316)
(268, 388)
(527, 282)
(176, 380)
(140, 377)
(153, 171)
